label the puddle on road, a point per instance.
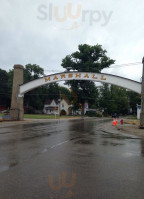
(5, 166)
(14, 163)
(30, 142)
(83, 141)
(34, 135)
(107, 134)
(106, 143)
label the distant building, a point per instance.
(51, 107)
(56, 107)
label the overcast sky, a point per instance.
(36, 32)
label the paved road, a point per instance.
(82, 159)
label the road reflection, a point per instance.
(81, 137)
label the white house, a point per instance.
(66, 106)
(55, 107)
(51, 107)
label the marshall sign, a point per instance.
(19, 89)
(98, 77)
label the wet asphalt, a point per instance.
(82, 159)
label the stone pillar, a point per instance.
(142, 100)
(16, 110)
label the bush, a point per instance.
(93, 114)
(30, 111)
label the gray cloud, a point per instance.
(26, 39)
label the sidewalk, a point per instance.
(132, 129)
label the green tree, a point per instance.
(54, 91)
(105, 98)
(35, 97)
(86, 59)
(65, 93)
(113, 99)
(5, 94)
(120, 99)
(134, 99)
(32, 72)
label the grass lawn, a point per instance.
(132, 117)
(134, 122)
(33, 116)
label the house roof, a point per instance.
(49, 101)
(66, 99)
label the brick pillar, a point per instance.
(142, 100)
(16, 110)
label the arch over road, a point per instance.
(19, 89)
(97, 77)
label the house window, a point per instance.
(62, 105)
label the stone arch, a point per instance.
(97, 77)
(19, 89)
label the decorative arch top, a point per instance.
(97, 77)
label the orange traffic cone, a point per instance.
(114, 122)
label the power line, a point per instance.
(129, 64)
(113, 66)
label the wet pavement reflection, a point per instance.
(93, 148)
(23, 142)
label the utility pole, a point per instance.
(142, 100)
